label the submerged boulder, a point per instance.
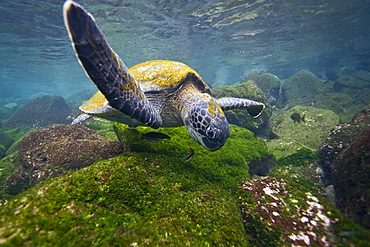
(351, 179)
(339, 138)
(40, 112)
(248, 90)
(152, 197)
(269, 84)
(345, 96)
(149, 196)
(54, 150)
(8, 139)
(307, 125)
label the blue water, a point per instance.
(222, 40)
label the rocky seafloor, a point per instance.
(276, 182)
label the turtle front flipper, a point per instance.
(254, 108)
(105, 68)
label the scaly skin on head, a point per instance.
(203, 118)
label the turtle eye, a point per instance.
(212, 133)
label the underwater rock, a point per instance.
(351, 179)
(363, 75)
(339, 138)
(283, 147)
(40, 112)
(7, 110)
(154, 198)
(277, 208)
(5, 143)
(304, 88)
(8, 137)
(262, 166)
(313, 131)
(239, 117)
(233, 158)
(148, 197)
(357, 88)
(54, 150)
(269, 84)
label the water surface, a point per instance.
(222, 40)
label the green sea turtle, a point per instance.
(155, 93)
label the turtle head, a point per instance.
(207, 124)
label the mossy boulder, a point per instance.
(8, 137)
(150, 196)
(287, 208)
(351, 179)
(269, 84)
(345, 96)
(289, 152)
(7, 110)
(356, 86)
(54, 150)
(302, 88)
(249, 90)
(310, 132)
(40, 112)
(232, 159)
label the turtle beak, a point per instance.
(215, 137)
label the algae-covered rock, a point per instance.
(40, 112)
(289, 152)
(152, 197)
(54, 150)
(304, 88)
(311, 131)
(147, 197)
(269, 84)
(240, 117)
(7, 110)
(351, 179)
(283, 147)
(339, 138)
(262, 166)
(285, 209)
(232, 159)
(8, 137)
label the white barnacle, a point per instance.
(268, 191)
(275, 214)
(304, 219)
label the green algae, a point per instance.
(226, 166)
(7, 167)
(287, 208)
(147, 197)
(313, 131)
(101, 125)
(344, 97)
(303, 157)
(283, 147)
(151, 197)
(9, 139)
(345, 232)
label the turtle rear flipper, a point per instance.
(105, 68)
(254, 108)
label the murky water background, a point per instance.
(222, 40)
